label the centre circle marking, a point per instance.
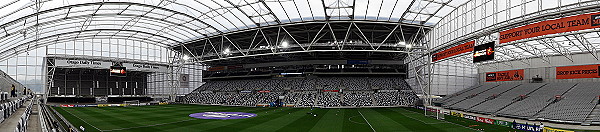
(222, 115)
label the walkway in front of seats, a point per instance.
(33, 125)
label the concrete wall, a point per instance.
(6, 82)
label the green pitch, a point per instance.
(175, 118)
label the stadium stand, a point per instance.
(575, 106)
(493, 105)
(477, 99)
(328, 99)
(558, 102)
(468, 94)
(355, 92)
(535, 101)
(355, 83)
(358, 99)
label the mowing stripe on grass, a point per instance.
(207, 125)
(331, 122)
(381, 122)
(280, 121)
(366, 120)
(110, 122)
(150, 125)
(397, 119)
(306, 122)
(82, 120)
(445, 121)
(353, 116)
(270, 115)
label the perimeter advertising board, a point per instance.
(485, 120)
(574, 72)
(567, 24)
(511, 75)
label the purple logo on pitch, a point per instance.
(222, 115)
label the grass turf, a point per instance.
(175, 118)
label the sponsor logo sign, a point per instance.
(573, 72)
(511, 75)
(483, 52)
(218, 68)
(246, 91)
(470, 117)
(485, 120)
(456, 50)
(387, 91)
(264, 91)
(82, 63)
(503, 123)
(144, 67)
(567, 24)
(546, 129)
(596, 20)
(67, 105)
(530, 128)
(331, 90)
(222, 115)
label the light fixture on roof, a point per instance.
(285, 44)
(226, 51)
(407, 46)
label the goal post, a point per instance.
(131, 103)
(435, 112)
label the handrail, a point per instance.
(64, 120)
(50, 118)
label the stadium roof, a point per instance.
(28, 24)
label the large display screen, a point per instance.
(118, 71)
(484, 52)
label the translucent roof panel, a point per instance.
(169, 23)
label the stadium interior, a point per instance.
(300, 65)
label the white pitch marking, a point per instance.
(366, 120)
(82, 119)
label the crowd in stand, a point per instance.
(325, 83)
(394, 98)
(327, 99)
(358, 99)
(301, 99)
(354, 92)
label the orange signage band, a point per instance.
(456, 50)
(512, 75)
(567, 24)
(574, 72)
